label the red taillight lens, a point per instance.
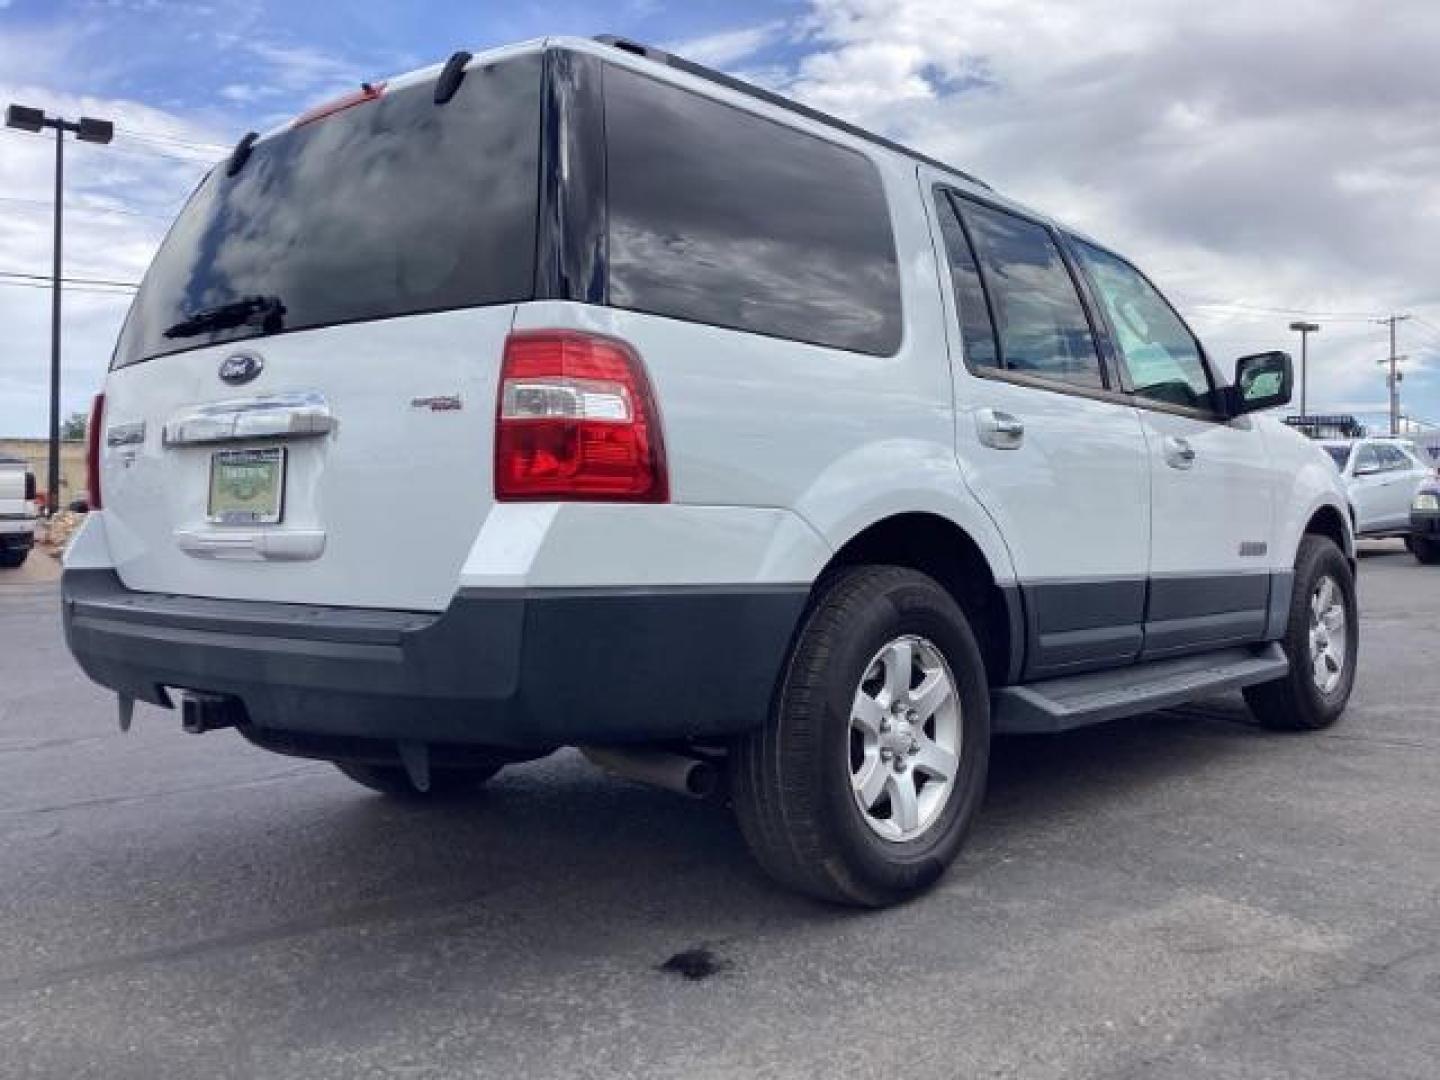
(576, 420)
(93, 435)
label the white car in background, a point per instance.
(17, 512)
(1381, 477)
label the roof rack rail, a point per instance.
(679, 63)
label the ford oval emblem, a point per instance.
(240, 368)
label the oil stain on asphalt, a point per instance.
(695, 964)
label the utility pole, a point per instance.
(1305, 329)
(1394, 379)
(86, 129)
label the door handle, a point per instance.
(1179, 454)
(999, 430)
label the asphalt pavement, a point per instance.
(1177, 896)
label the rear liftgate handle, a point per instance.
(999, 430)
(1179, 454)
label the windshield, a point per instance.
(1341, 454)
(389, 207)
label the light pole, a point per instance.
(86, 129)
(1305, 329)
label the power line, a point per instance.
(142, 151)
(95, 290)
(136, 150)
(143, 135)
(1429, 326)
(45, 278)
(43, 204)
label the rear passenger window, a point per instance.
(720, 216)
(1042, 326)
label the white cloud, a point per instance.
(1270, 155)
(240, 93)
(300, 70)
(728, 47)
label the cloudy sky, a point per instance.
(1264, 161)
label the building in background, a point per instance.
(1333, 426)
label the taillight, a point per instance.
(93, 435)
(576, 420)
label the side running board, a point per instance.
(1076, 700)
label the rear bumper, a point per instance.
(523, 669)
(17, 533)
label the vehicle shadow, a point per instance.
(564, 836)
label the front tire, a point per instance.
(1321, 642)
(861, 786)
(393, 780)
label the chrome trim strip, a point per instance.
(292, 415)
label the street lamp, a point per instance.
(1305, 329)
(86, 129)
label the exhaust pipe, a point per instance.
(200, 713)
(691, 776)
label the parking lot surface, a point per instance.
(1176, 896)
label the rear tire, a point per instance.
(1424, 548)
(394, 781)
(10, 560)
(1321, 642)
(842, 794)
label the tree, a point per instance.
(72, 429)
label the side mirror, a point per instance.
(1368, 469)
(1262, 381)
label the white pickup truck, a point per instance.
(17, 512)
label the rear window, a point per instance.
(391, 207)
(719, 216)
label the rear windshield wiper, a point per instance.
(266, 312)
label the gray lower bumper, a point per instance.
(521, 668)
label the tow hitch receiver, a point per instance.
(200, 713)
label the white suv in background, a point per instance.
(1381, 478)
(721, 439)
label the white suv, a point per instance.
(17, 512)
(1381, 478)
(720, 438)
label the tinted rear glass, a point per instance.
(1341, 454)
(720, 216)
(390, 207)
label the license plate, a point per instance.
(247, 487)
